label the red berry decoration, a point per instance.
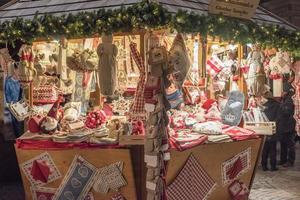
(95, 119)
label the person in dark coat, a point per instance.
(271, 108)
(286, 125)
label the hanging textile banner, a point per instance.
(244, 9)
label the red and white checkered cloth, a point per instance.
(236, 166)
(192, 183)
(137, 108)
(214, 66)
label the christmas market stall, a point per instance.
(142, 99)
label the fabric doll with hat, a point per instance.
(107, 65)
(49, 124)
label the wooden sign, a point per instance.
(244, 9)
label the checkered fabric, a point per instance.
(236, 166)
(192, 183)
(214, 66)
(137, 108)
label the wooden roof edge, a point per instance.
(11, 2)
(278, 18)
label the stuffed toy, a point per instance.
(107, 65)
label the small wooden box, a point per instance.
(261, 128)
(131, 140)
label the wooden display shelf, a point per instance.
(261, 128)
(132, 140)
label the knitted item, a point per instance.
(232, 113)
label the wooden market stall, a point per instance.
(79, 165)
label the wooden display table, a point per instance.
(210, 156)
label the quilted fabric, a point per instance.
(137, 110)
(192, 183)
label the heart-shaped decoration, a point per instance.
(75, 183)
(83, 172)
(69, 195)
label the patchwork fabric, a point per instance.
(192, 172)
(78, 180)
(137, 110)
(40, 170)
(109, 177)
(236, 166)
(44, 193)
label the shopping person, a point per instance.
(13, 94)
(270, 108)
(286, 125)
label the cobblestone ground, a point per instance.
(283, 184)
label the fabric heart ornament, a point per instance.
(40, 171)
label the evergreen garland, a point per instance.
(147, 15)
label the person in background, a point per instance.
(286, 124)
(270, 108)
(13, 94)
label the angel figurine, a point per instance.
(256, 75)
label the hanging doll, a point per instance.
(107, 66)
(256, 76)
(27, 70)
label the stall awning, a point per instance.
(28, 8)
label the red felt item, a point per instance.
(34, 124)
(40, 171)
(238, 190)
(95, 119)
(53, 112)
(138, 128)
(86, 78)
(208, 103)
(118, 196)
(107, 109)
(235, 169)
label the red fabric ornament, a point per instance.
(40, 171)
(238, 191)
(235, 169)
(53, 112)
(118, 196)
(34, 124)
(138, 128)
(95, 119)
(208, 103)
